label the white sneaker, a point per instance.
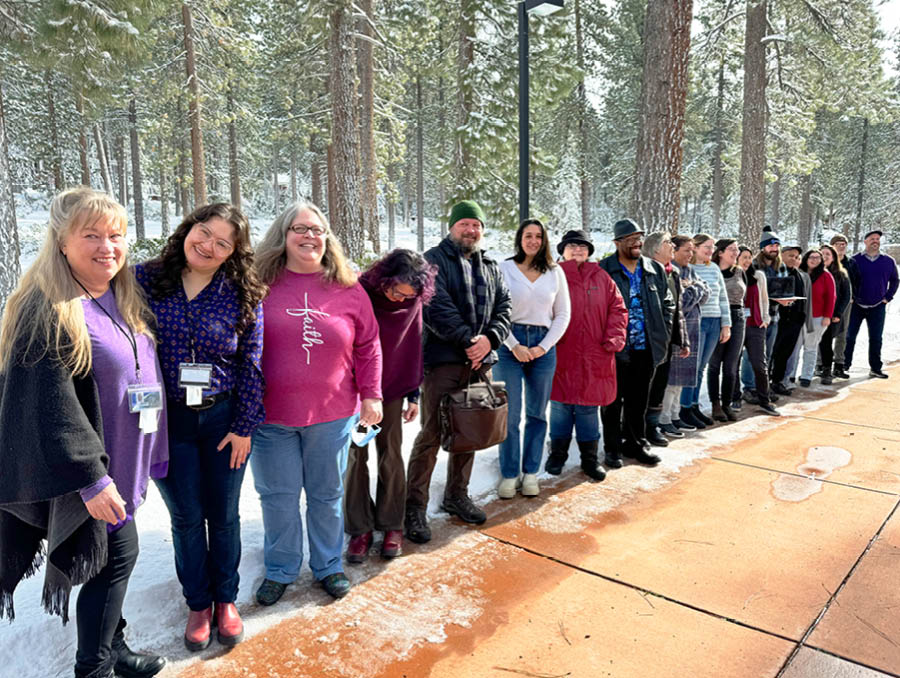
(507, 488)
(530, 487)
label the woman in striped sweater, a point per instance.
(715, 325)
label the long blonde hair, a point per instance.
(271, 257)
(45, 314)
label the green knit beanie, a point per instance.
(466, 209)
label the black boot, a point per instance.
(130, 664)
(654, 435)
(559, 452)
(827, 379)
(839, 372)
(686, 414)
(589, 459)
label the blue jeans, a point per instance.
(286, 460)
(706, 344)
(585, 419)
(537, 376)
(874, 318)
(748, 379)
(202, 494)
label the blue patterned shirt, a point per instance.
(637, 335)
(210, 318)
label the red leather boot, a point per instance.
(196, 635)
(231, 628)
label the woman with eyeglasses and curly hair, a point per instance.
(207, 300)
(322, 366)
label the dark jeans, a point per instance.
(439, 380)
(659, 383)
(785, 343)
(624, 416)
(99, 608)
(874, 318)
(726, 360)
(202, 495)
(361, 514)
(826, 345)
(755, 343)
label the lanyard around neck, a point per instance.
(129, 335)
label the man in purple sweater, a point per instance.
(877, 285)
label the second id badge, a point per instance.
(147, 400)
(194, 377)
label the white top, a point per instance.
(544, 302)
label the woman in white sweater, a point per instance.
(540, 315)
(715, 326)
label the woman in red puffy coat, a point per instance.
(585, 356)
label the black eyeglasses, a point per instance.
(303, 229)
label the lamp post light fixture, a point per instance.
(538, 8)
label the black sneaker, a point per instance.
(737, 404)
(416, 524)
(878, 374)
(337, 585)
(655, 437)
(671, 430)
(781, 389)
(805, 383)
(269, 592)
(770, 409)
(683, 425)
(641, 456)
(750, 396)
(840, 373)
(464, 509)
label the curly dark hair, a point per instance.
(543, 260)
(167, 267)
(402, 266)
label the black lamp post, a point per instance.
(539, 8)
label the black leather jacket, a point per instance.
(659, 307)
(447, 333)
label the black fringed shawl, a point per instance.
(51, 445)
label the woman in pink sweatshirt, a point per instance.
(322, 366)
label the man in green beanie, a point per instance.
(465, 323)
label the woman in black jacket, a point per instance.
(842, 283)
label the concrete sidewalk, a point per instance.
(775, 553)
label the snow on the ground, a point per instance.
(37, 645)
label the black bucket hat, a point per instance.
(580, 237)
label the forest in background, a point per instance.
(688, 115)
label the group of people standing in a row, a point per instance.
(183, 368)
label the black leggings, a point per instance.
(726, 358)
(99, 609)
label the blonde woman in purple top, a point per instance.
(82, 427)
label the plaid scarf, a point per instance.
(476, 290)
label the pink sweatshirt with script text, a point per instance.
(321, 352)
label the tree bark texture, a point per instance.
(753, 140)
(581, 92)
(136, 180)
(9, 232)
(776, 201)
(719, 149)
(345, 219)
(465, 57)
(58, 181)
(101, 158)
(367, 159)
(82, 140)
(804, 225)
(657, 185)
(199, 165)
(861, 183)
(234, 174)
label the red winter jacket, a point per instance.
(586, 354)
(823, 296)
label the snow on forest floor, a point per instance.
(37, 645)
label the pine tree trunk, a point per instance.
(101, 157)
(108, 151)
(163, 193)
(58, 181)
(121, 172)
(82, 141)
(199, 164)
(9, 232)
(657, 178)
(465, 57)
(234, 174)
(420, 169)
(293, 174)
(136, 179)
(407, 173)
(776, 201)
(182, 162)
(720, 148)
(581, 92)
(804, 227)
(344, 138)
(367, 158)
(753, 142)
(315, 171)
(442, 142)
(391, 206)
(861, 184)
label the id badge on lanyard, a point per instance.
(146, 400)
(194, 377)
